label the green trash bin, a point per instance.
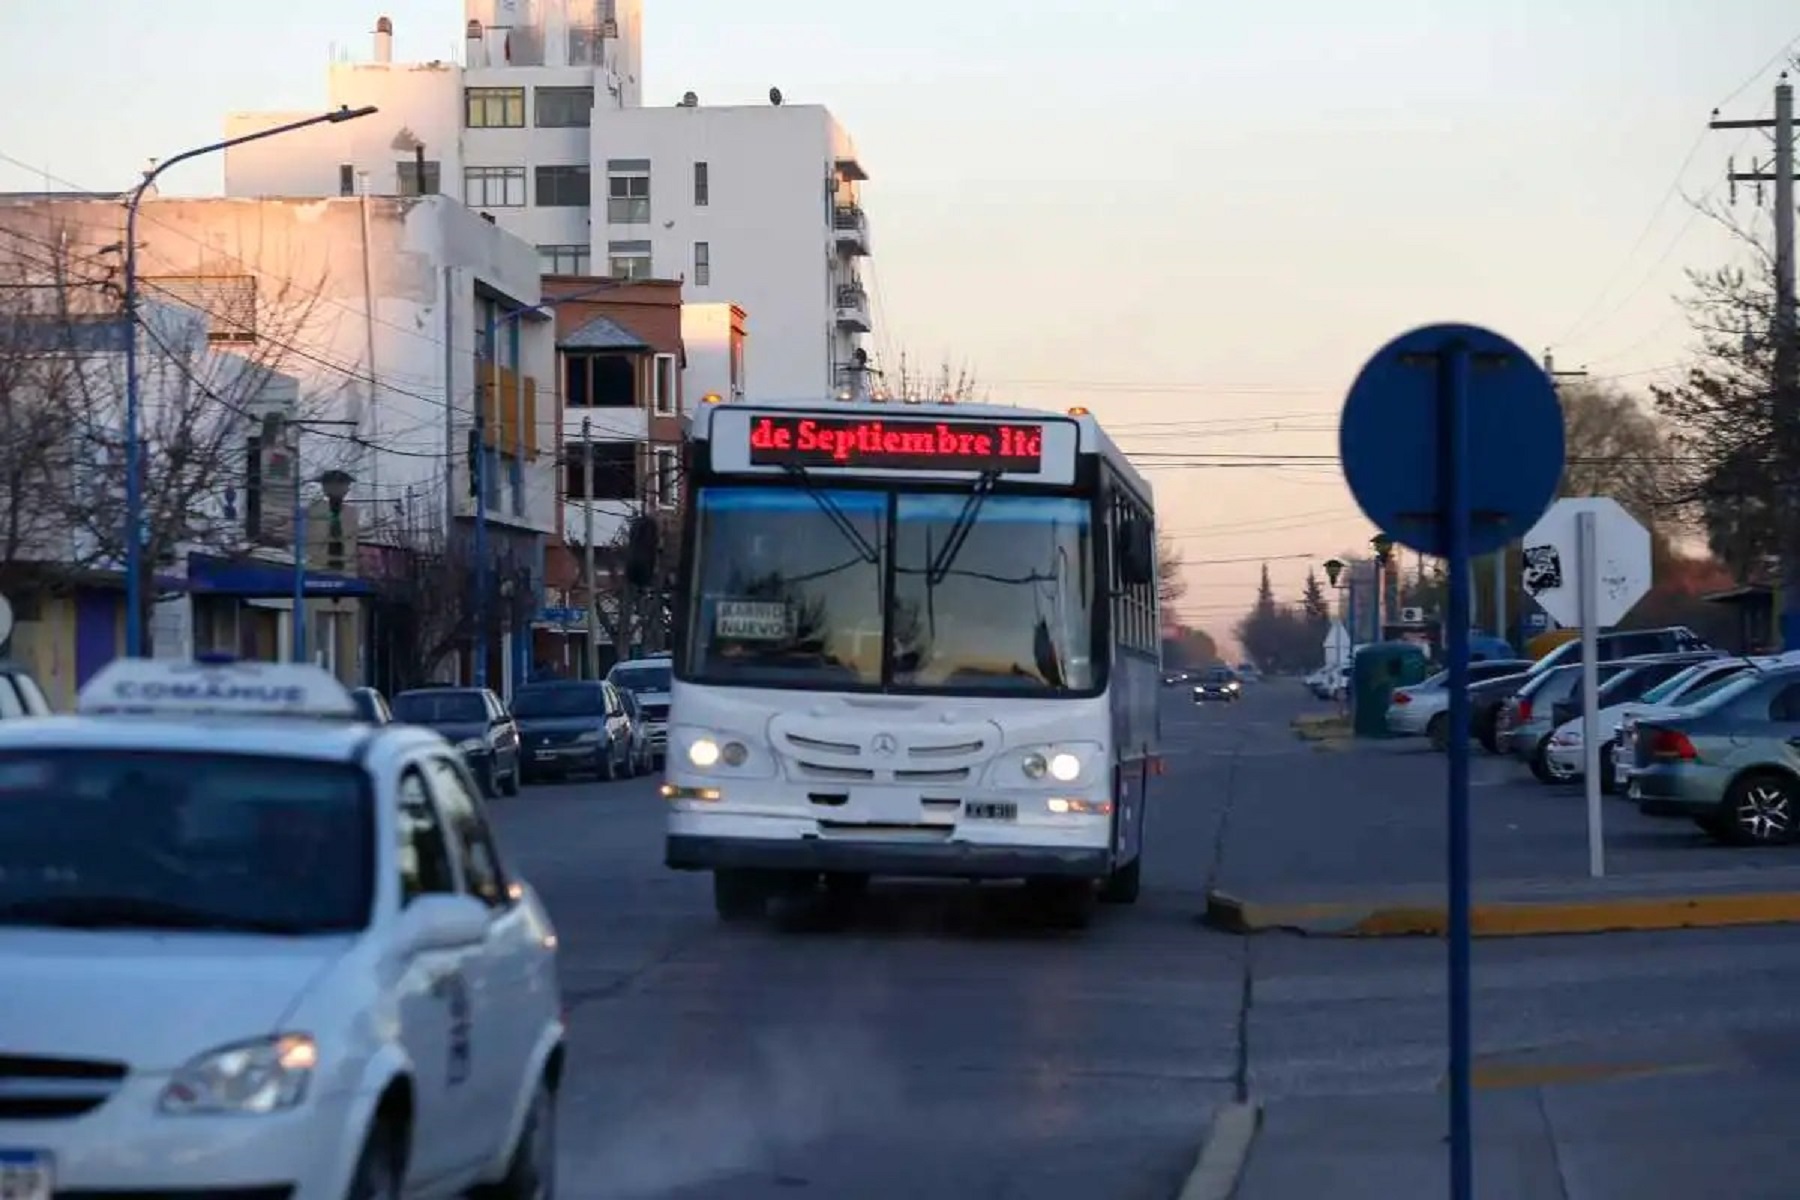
(1377, 670)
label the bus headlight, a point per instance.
(1058, 764)
(1065, 768)
(713, 751)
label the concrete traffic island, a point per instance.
(1530, 908)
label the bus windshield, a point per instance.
(783, 595)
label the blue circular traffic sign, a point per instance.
(1397, 458)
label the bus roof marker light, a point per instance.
(1078, 411)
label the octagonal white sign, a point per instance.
(1552, 565)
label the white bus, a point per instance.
(913, 641)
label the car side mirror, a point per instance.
(440, 921)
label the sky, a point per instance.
(1196, 218)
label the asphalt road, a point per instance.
(939, 1043)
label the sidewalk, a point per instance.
(1679, 1136)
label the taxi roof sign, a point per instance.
(166, 687)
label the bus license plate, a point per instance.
(25, 1175)
(991, 810)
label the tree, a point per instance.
(1313, 602)
(199, 406)
(1278, 637)
(1731, 453)
(1189, 649)
(1171, 585)
(1616, 449)
(908, 379)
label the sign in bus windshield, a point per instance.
(1010, 447)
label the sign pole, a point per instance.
(1587, 554)
(1453, 402)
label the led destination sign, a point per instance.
(1008, 447)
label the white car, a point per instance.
(650, 680)
(252, 947)
(1412, 708)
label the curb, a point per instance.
(1376, 919)
(1224, 1153)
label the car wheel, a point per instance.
(381, 1168)
(1438, 730)
(604, 767)
(1761, 809)
(739, 895)
(1124, 884)
(1541, 768)
(1609, 769)
(487, 781)
(531, 1173)
(509, 785)
(628, 765)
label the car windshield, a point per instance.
(201, 841)
(783, 595)
(641, 679)
(559, 700)
(1675, 683)
(1219, 675)
(1431, 682)
(439, 708)
(1721, 690)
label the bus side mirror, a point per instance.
(1137, 553)
(641, 546)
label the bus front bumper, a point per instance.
(870, 856)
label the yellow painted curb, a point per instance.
(1234, 914)
(1500, 1076)
(1223, 1155)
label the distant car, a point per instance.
(1218, 683)
(1424, 708)
(651, 680)
(1248, 672)
(1175, 678)
(476, 723)
(573, 725)
(371, 705)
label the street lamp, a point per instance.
(1383, 545)
(134, 483)
(478, 456)
(336, 485)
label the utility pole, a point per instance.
(1780, 172)
(587, 548)
(1502, 572)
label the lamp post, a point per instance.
(478, 456)
(1383, 545)
(337, 482)
(134, 483)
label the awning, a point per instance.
(252, 579)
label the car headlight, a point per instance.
(472, 746)
(266, 1075)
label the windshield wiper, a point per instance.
(828, 506)
(939, 568)
(132, 912)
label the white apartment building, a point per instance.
(542, 128)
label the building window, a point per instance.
(628, 260)
(228, 302)
(702, 186)
(600, 381)
(628, 191)
(563, 187)
(600, 471)
(564, 107)
(494, 187)
(407, 174)
(346, 179)
(702, 264)
(665, 481)
(566, 260)
(662, 385)
(587, 45)
(494, 107)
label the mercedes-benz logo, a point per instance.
(884, 745)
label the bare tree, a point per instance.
(1615, 448)
(204, 382)
(907, 378)
(1171, 584)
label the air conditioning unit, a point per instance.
(1412, 616)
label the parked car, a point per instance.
(1626, 643)
(1423, 709)
(573, 726)
(1729, 763)
(20, 695)
(1218, 683)
(476, 722)
(1683, 691)
(643, 748)
(1526, 721)
(1248, 672)
(1566, 756)
(651, 679)
(372, 706)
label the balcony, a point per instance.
(851, 225)
(853, 308)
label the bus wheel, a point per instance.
(739, 895)
(1122, 886)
